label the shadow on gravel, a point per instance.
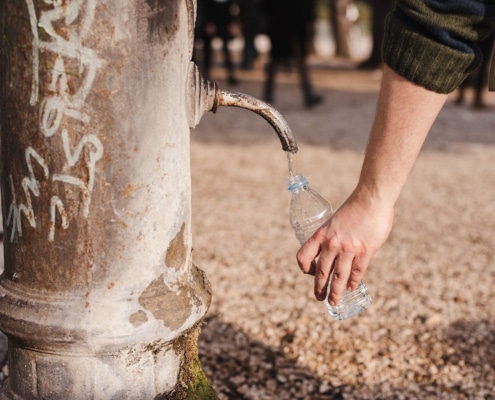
(473, 343)
(241, 368)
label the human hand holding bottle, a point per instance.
(308, 212)
(345, 245)
(347, 242)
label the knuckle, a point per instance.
(353, 248)
(320, 274)
(337, 277)
(347, 248)
(334, 243)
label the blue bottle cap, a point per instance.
(295, 182)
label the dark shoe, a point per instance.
(233, 81)
(479, 105)
(313, 100)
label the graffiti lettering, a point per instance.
(56, 205)
(30, 185)
(62, 100)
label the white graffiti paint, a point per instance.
(56, 205)
(54, 107)
(36, 57)
(30, 185)
(95, 153)
(14, 215)
(61, 104)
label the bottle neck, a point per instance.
(297, 183)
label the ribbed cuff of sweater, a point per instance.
(423, 61)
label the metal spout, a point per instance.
(205, 96)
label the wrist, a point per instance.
(372, 195)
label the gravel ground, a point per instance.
(430, 333)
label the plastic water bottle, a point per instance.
(308, 211)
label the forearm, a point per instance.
(404, 117)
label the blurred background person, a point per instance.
(379, 10)
(478, 79)
(215, 18)
(253, 22)
(290, 29)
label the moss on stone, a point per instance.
(193, 383)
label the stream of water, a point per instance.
(291, 163)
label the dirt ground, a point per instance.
(430, 333)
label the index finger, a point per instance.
(306, 255)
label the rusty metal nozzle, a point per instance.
(201, 96)
(205, 96)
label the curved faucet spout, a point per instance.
(265, 110)
(204, 96)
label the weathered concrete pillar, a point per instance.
(99, 297)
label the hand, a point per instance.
(345, 245)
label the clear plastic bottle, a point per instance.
(308, 211)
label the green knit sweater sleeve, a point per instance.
(432, 44)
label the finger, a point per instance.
(306, 255)
(312, 268)
(359, 266)
(324, 268)
(340, 277)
